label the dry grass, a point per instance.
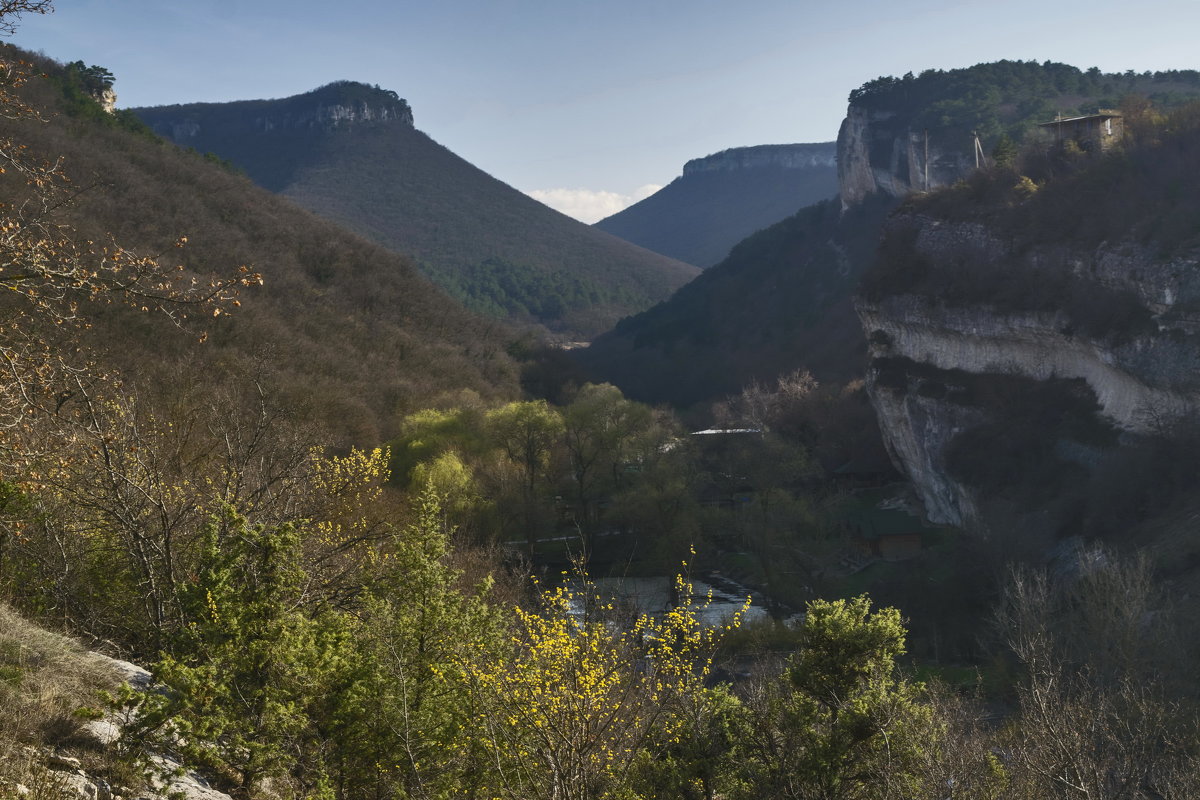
(49, 686)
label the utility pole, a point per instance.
(927, 159)
(979, 156)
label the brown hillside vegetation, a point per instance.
(342, 326)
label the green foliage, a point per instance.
(251, 665)
(405, 727)
(779, 302)
(842, 723)
(527, 433)
(524, 291)
(1005, 151)
(577, 706)
(1008, 98)
(93, 79)
(604, 434)
(82, 88)
(344, 329)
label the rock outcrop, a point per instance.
(878, 152)
(931, 346)
(108, 100)
(783, 156)
(337, 105)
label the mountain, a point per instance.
(349, 152)
(782, 299)
(341, 326)
(723, 198)
(917, 133)
(1035, 340)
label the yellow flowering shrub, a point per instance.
(581, 698)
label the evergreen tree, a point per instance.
(841, 723)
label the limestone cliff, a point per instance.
(337, 105)
(783, 156)
(108, 100)
(918, 132)
(1116, 321)
(878, 151)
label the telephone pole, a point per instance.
(927, 159)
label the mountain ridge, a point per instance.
(722, 198)
(494, 248)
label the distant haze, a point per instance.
(583, 104)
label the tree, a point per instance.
(122, 504)
(1099, 717)
(600, 430)
(250, 664)
(406, 725)
(578, 706)
(1004, 154)
(528, 434)
(841, 723)
(12, 10)
(661, 506)
(95, 80)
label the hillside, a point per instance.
(723, 198)
(915, 133)
(1034, 342)
(350, 153)
(782, 299)
(341, 326)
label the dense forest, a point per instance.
(388, 620)
(793, 281)
(1009, 98)
(497, 250)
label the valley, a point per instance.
(895, 498)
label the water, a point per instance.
(653, 596)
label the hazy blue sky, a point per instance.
(593, 103)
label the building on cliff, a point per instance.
(1092, 133)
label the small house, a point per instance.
(888, 534)
(1093, 133)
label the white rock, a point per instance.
(76, 786)
(57, 761)
(101, 731)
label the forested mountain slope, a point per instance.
(350, 153)
(723, 198)
(342, 326)
(782, 297)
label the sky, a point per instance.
(590, 105)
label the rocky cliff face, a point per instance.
(932, 350)
(108, 100)
(338, 105)
(336, 114)
(782, 156)
(877, 152)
